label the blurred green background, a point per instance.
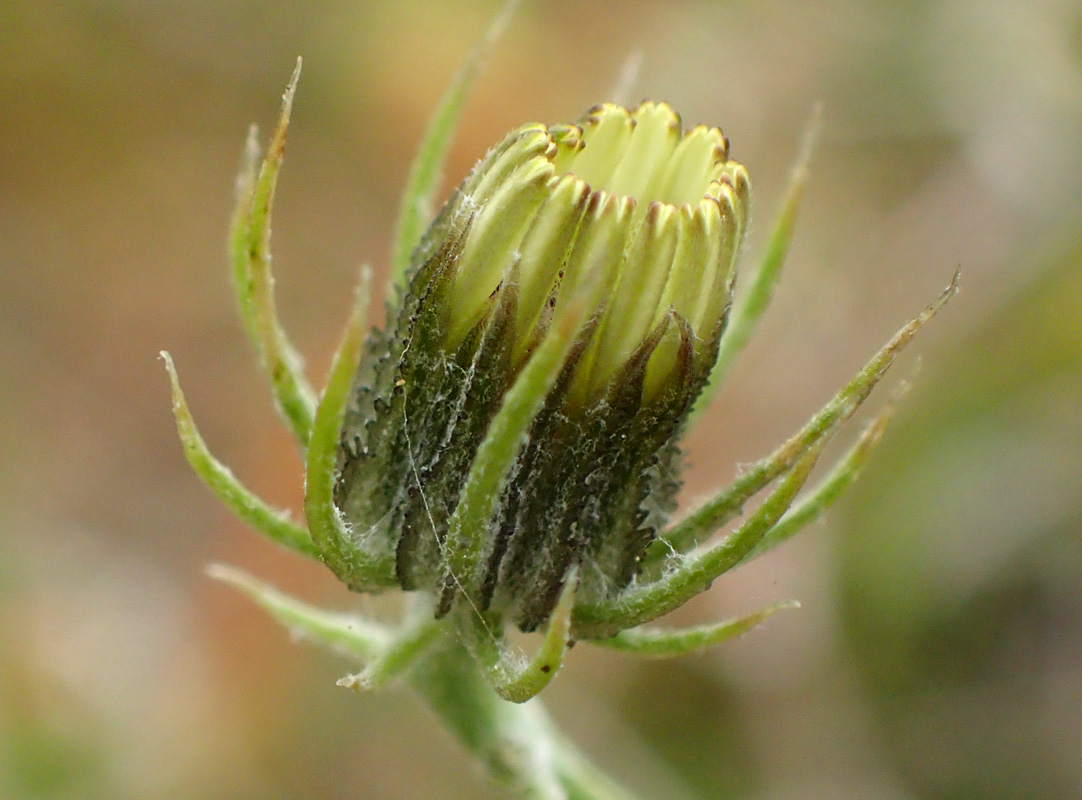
(938, 654)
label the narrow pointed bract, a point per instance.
(662, 643)
(275, 524)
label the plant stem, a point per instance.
(517, 743)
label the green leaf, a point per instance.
(415, 210)
(272, 523)
(512, 679)
(715, 512)
(342, 633)
(695, 572)
(660, 643)
(240, 232)
(293, 394)
(343, 554)
(846, 470)
(411, 641)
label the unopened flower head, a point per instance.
(623, 213)
(507, 444)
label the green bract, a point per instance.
(507, 446)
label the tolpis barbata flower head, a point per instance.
(632, 218)
(507, 446)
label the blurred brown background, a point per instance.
(938, 654)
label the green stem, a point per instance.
(517, 743)
(582, 780)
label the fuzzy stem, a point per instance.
(517, 743)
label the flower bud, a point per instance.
(651, 219)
